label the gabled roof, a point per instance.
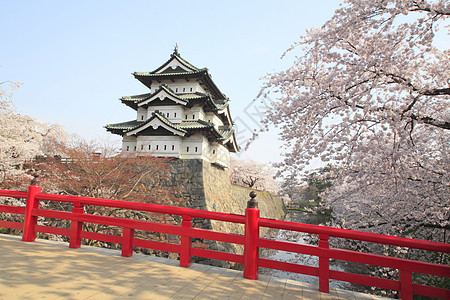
(162, 93)
(222, 134)
(165, 91)
(157, 120)
(178, 68)
(175, 62)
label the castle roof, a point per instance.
(223, 134)
(176, 63)
(178, 68)
(165, 95)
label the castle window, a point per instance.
(173, 147)
(187, 149)
(214, 151)
(174, 115)
(191, 89)
(184, 89)
(142, 117)
(186, 117)
(149, 147)
(142, 147)
(165, 147)
(196, 149)
(134, 148)
(128, 148)
(176, 90)
(157, 146)
(193, 117)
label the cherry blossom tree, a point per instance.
(369, 93)
(254, 175)
(21, 139)
(99, 170)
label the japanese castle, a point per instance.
(183, 115)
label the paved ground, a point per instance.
(50, 270)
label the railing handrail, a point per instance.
(356, 235)
(250, 240)
(148, 207)
(13, 194)
(164, 209)
(235, 218)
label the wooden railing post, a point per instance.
(30, 221)
(186, 242)
(324, 265)
(76, 227)
(251, 251)
(406, 291)
(127, 242)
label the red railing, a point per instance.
(251, 240)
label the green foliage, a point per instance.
(308, 196)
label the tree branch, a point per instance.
(433, 122)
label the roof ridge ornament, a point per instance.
(175, 50)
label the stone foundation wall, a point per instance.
(208, 187)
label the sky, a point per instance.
(75, 58)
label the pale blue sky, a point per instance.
(75, 58)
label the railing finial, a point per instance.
(35, 180)
(252, 203)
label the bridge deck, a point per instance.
(51, 270)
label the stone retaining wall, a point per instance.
(208, 187)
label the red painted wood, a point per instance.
(186, 242)
(431, 291)
(287, 246)
(30, 221)
(119, 222)
(13, 194)
(289, 267)
(251, 252)
(127, 242)
(12, 209)
(251, 241)
(217, 236)
(391, 262)
(13, 225)
(356, 235)
(76, 226)
(95, 236)
(196, 213)
(157, 245)
(358, 257)
(406, 288)
(53, 230)
(324, 265)
(364, 279)
(217, 255)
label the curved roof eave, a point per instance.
(146, 78)
(162, 119)
(166, 89)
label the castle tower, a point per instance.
(184, 115)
